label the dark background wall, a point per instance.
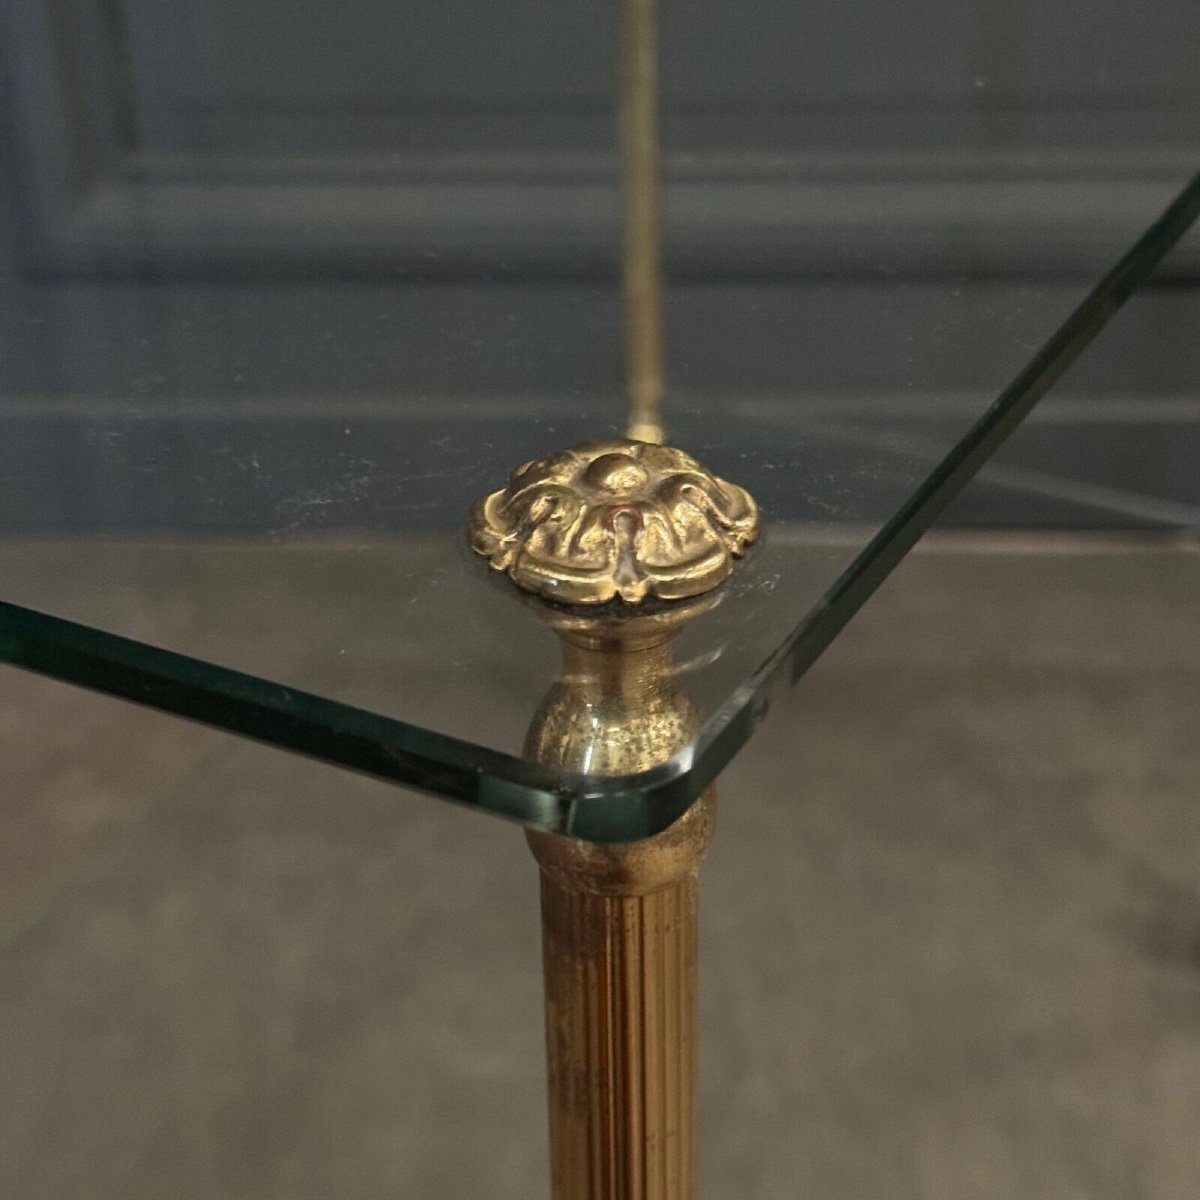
(265, 164)
(446, 137)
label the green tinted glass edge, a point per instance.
(612, 808)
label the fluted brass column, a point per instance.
(600, 529)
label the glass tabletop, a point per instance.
(242, 500)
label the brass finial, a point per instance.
(615, 518)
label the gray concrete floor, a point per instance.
(951, 930)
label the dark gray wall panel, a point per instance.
(453, 139)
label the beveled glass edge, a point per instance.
(595, 808)
(601, 808)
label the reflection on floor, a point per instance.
(951, 929)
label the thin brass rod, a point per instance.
(642, 250)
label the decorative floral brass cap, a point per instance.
(615, 518)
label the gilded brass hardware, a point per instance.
(619, 921)
(618, 521)
(615, 518)
(598, 530)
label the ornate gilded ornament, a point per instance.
(615, 518)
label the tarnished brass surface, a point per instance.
(617, 709)
(620, 974)
(619, 920)
(615, 518)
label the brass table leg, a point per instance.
(593, 533)
(619, 931)
(619, 949)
